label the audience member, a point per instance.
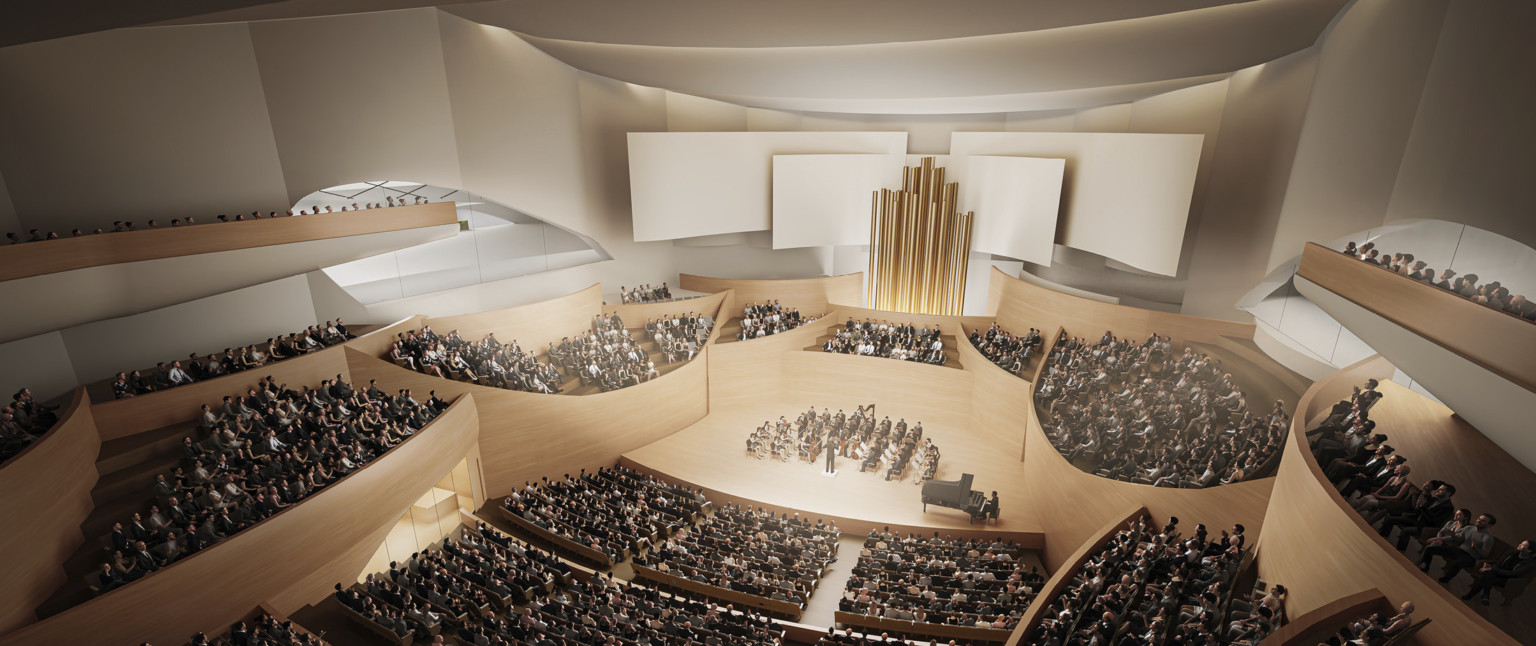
(1490, 294)
(765, 319)
(900, 341)
(1007, 351)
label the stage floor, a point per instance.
(712, 454)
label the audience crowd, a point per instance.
(899, 341)
(679, 337)
(261, 630)
(1139, 414)
(615, 511)
(763, 319)
(644, 294)
(1151, 587)
(1375, 479)
(606, 355)
(880, 447)
(263, 453)
(1374, 629)
(488, 361)
(1009, 352)
(757, 552)
(119, 226)
(962, 582)
(1491, 294)
(22, 422)
(232, 360)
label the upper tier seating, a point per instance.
(488, 361)
(22, 422)
(766, 319)
(1139, 414)
(900, 341)
(961, 582)
(1011, 353)
(261, 630)
(232, 360)
(120, 226)
(263, 453)
(1491, 294)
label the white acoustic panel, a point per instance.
(689, 184)
(1126, 196)
(1015, 200)
(824, 200)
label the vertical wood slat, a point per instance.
(919, 245)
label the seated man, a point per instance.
(1513, 565)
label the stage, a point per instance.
(712, 454)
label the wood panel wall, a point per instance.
(1306, 629)
(812, 295)
(1021, 305)
(124, 417)
(377, 342)
(999, 400)
(636, 314)
(1319, 549)
(47, 495)
(1499, 342)
(289, 560)
(533, 326)
(525, 436)
(20, 261)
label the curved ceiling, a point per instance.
(969, 70)
(799, 23)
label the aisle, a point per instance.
(822, 604)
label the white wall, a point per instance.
(40, 363)
(241, 317)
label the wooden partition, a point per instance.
(784, 609)
(949, 324)
(999, 399)
(47, 494)
(1499, 342)
(1063, 575)
(525, 436)
(378, 342)
(288, 560)
(124, 417)
(533, 326)
(937, 632)
(1307, 629)
(1020, 305)
(813, 296)
(64, 254)
(636, 314)
(1321, 550)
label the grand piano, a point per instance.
(955, 494)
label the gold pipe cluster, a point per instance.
(919, 247)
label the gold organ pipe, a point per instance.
(919, 245)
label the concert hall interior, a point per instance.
(856, 323)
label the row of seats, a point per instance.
(1139, 413)
(22, 422)
(260, 630)
(769, 318)
(122, 226)
(1491, 294)
(487, 362)
(264, 453)
(613, 511)
(1010, 352)
(961, 582)
(752, 551)
(882, 339)
(232, 360)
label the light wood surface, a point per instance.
(124, 417)
(1306, 629)
(525, 436)
(1499, 342)
(377, 342)
(533, 326)
(636, 314)
(288, 560)
(785, 609)
(47, 494)
(1020, 305)
(1063, 575)
(1317, 547)
(937, 632)
(811, 295)
(64, 254)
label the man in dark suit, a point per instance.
(1432, 509)
(1513, 565)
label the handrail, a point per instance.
(924, 629)
(1493, 339)
(65, 254)
(1335, 613)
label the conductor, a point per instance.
(829, 447)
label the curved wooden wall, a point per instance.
(533, 326)
(999, 399)
(525, 436)
(1318, 548)
(64, 254)
(124, 417)
(1020, 305)
(1305, 629)
(812, 295)
(377, 342)
(636, 314)
(1495, 340)
(47, 495)
(289, 560)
